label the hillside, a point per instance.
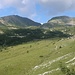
(14, 21)
(59, 21)
(64, 20)
(38, 57)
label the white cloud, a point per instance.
(57, 6)
(26, 7)
(48, 7)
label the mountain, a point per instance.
(15, 20)
(63, 20)
(60, 20)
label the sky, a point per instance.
(37, 10)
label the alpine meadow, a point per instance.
(29, 48)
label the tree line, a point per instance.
(18, 36)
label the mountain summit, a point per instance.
(15, 20)
(59, 21)
(63, 20)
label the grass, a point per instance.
(21, 59)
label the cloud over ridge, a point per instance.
(49, 7)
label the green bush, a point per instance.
(65, 70)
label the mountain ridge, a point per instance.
(15, 20)
(65, 20)
(59, 21)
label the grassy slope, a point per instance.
(34, 58)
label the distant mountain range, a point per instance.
(14, 21)
(17, 21)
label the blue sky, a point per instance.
(37, 10)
